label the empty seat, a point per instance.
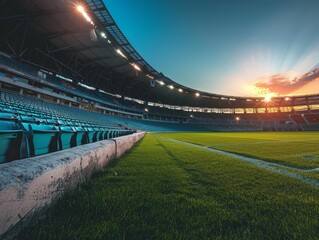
(10, 141)
(61, 122)
(92, 134)
(67, 137)
(41, 138)
(107, 134)
(100, 133)
(27, 119)
(8, 117)
(116, 133)
(51, 121)
(81, 136)
(8, 110)
(113, 133)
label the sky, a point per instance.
(240, 48)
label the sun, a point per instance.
(268, 97)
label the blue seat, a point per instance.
(91, 134)
(8, 110)
(61, 122)
(116, 134)
(67, 137)
(107, 134)
(98, 135)
(113, 133)
(81, 136)
(10, 141)
(41, 139)
(101, 133)
(8, 117)
(51, 121)
(27, 119)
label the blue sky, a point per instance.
(225, 47)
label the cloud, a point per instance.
(283, 84)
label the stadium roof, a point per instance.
(87, 45)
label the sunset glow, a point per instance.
(275, 53)
(268, 97)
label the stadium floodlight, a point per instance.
(237, 118)
(149, 76)
(170, 86)
(197, 94)
(81, 9)
(180, 90)
(146, 110)
(287, 98)
(161, 82)
(109, 41)
(134, 65)
(103, 35)
(122, 54)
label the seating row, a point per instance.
(22, 139)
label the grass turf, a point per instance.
(297, 149)
(165, 190)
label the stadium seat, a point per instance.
(117, 133)
(113, 134)
(60, 122)
(81, 136)
(10, 141)
(8, 117)
(67, 138)
(107, 134)
(41, 138)
(92, 134)
(100, 133)
(51, 121)
(27, 119)
(8, 110)
(110, 134)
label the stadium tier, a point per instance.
(30, 127)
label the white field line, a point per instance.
(260, 163)
(255, 143)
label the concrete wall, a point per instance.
(27, 185)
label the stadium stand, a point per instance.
(34, 127)
(298, 119)
(312, 118)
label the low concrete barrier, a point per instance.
(27, 185)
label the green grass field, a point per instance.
(163, 189)
(299, 149)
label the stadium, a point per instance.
(98, 144)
